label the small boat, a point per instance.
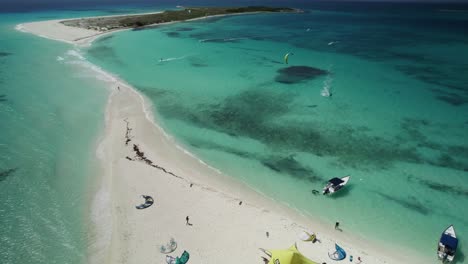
(335, 185)
(447, 245)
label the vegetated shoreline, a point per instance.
(104, 24)
(83, 31)
(137, 157)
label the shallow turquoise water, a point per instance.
(396, 121)
(51, 113)
(51, 110)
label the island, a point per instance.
(140, 20)
(83, 31)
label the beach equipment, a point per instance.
(306, 236)
(335, 185)
(447, 245)
(339, 254)
(287, 256)
(178, 260)
(169, 247)
(148, 202)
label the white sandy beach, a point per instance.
(222, 230)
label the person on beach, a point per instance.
(187, 220)
(337, 226)
(267, 234)
(359, 260)
(240, 203)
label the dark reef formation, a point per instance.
(297, 74)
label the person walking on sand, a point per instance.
(337, 226)
(186, 220)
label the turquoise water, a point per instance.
(396, 121)
(51, 110)
(51, 113)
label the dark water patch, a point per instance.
(297, 74)
(414, 58)
(285, 165)
(259, 38)
(436, 75)
(448, 156)
(446, 160)
(104, 52)
(444, 188)
(412, 128)
(289, 165)
(460, 256)
(154, 93)
(4, 174)
(197, 62)
(453, 99)
(349, 146)
(250, 49)
(269, 60)
(198, 65)
(3, 98)
(104, 38)
(213, 146)
(184, 29)
(458, 151)
(173, 34)
(411, 203)
(5, 54)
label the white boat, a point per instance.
(335, 185)
(447, 245)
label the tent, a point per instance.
(288, 256)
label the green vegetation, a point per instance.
(135, 21)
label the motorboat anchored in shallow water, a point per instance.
(335, 185)
(447, 245)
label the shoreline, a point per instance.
(212, 202)
(211, 190)
(55, 30)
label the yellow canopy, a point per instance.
(289, 256)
